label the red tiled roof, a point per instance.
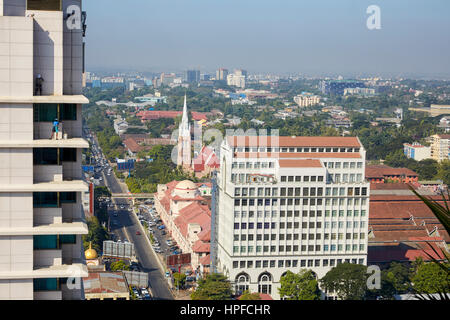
(132, 145)
(380, 171)
(403, 252)
(206, 260)
(155, 114)
(200, 246)
(307, 163)
(193, 213)
(287, 141)
(206, 157)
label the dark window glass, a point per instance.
(45, 242)
(45, 200)
(68, 197)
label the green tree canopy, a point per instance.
(346, 280)
(119, 265)
(300, 286)
(214, 287)
(431, 278)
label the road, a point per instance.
(126, 229)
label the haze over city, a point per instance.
(315, 38)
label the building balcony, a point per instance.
(47, 258)
(63, 99)
(60, 271)
(61, 186)
(78, 226)
(47, 173)
(78, 143)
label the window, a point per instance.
(45, 242)
(45, 284)
(45, 200)
(68, 197)
(67, 239)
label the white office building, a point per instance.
(41, 214)
(289, 203)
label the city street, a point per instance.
(126, 228)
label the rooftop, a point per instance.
(293, 141)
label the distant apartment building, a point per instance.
(237, 78)
(287, 204)
(112, 82)
(359, 91)
(337, 87)
(416, 151)
(306, 99)
(440, 147)
(222, 74)
(192, 76)
(41, 181)
(167, 78)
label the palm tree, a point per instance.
(442, 213)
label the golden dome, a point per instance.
(90, 253)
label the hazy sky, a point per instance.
(313, 37)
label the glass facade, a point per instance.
(51, 199)
(46, 284)
(47, 112)
(49, 156)
(48, 5)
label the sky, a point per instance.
(309, 37)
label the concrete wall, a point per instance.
(47, 258)
(16, 289)
(16, 120)
(16, 210)
(16, 56)
(16, 253)
(17, 166)
(48, 50)
(43, 216)
(48, 173)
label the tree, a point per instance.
(444, 171)
(96, 234)
(346, 280)
(246, 295)
(119, 265)
(300, 286)
(214, 287)
(179, 279)
(430, 278)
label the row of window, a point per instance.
(45, 242)
(299, 178)
(296, 213)
(303, 248)
(54, 156)
(252, 165)
(53, 199)
(293, 149)
(293, 263)
(296, 225)
(48, 112)
(304, 202)
(296, 236)
(299, 191)
(345, 165)
(297, 202)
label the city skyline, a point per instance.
(318, 39)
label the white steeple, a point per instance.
(184, 139)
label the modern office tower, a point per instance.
(192, 76)
(41, 215)
(222, 74)
(290, 203)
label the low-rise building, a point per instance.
(416, 151)
(187, 217)
(306, 99)
(383, 174)
(106, 286)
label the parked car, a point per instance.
(167, 274)
(163, 233)
(138, 233)
(161, 227)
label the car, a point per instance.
(190, 279)
(163, 233)
(138, 233)
(188, 272)
(122, 207)
(175, 252)
(169, 242)
(161, 227)
(167, 274)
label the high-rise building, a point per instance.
(41, 181)
(289, 203)
(192, 76)
(222, 74)
(440, 147)
(184, 140)
(237, 78)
